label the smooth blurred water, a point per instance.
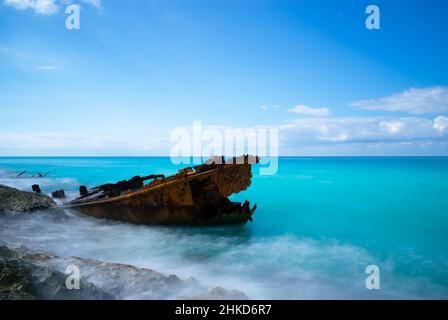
(320, 222)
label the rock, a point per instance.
(15, 279)
(36, 188)
(21, 278)
(14, 200)
(125, 281)
(58, 194)
(25, 274)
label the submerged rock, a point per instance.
(15, 200)
(29, 275)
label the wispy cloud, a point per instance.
(310, 135)
(414, 101)
(267, 107)
(95, 3)
(309, 111)
(61, 144)
(357, 135)
(48, 67)
(25, 60)
(23, 56)
(44, 7)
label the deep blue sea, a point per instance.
(320, 222)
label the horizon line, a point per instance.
(281, 156)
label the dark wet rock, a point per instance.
(14, 200)
(23, 277)
(15, 279)
(25, 274)
(36, 188)
(58, 194)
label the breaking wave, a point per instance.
(47, 184)
(278, 267)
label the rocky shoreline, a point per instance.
(26, 274)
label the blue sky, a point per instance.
(138, 69)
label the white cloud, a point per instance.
(441, 123)
(414, 101)
(393, 127)
(359, 135)
(314, 112)
(311, 135)
(340, 137)
(45, 7)
(308, 131)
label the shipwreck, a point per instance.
(194, 196)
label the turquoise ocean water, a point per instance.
(320, 222)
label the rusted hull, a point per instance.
(199, 198)
(162, 215)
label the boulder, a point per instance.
(58, 194)
(14, 200)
